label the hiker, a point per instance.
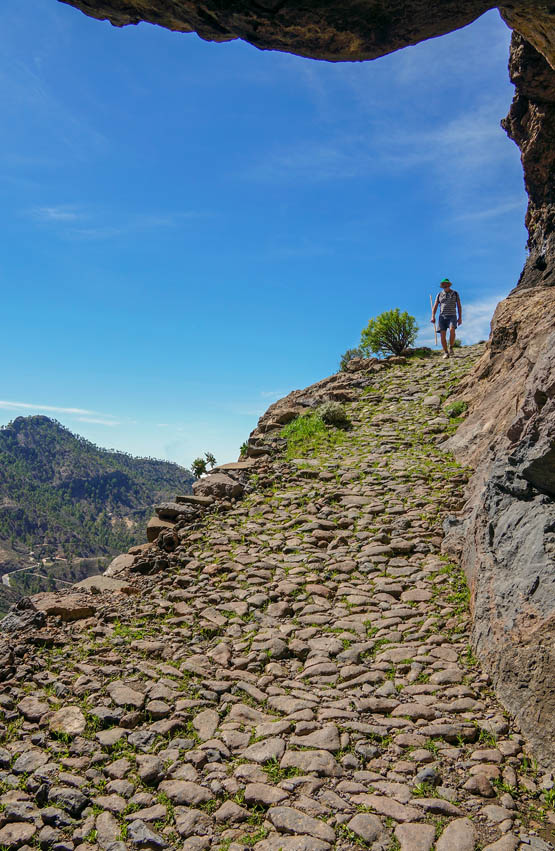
(449, 305)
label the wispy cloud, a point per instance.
(76, 222)
(492, 212)
(82, 415)
(463, 144)
(68, 129)
(455, 151)
(25, 406)
(56, 214)
(476, 322)
(313, 159)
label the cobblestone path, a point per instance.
(299, 677)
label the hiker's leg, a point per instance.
(452, 336)
(443, 335)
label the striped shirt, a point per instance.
(447, 300)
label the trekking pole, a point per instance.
(432, 307)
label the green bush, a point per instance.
(389, 333)
(455, 409)
(210, 459)
(420, 352)
(198, 467)
(333, 414)
(349, 355)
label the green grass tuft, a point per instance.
(308, 435)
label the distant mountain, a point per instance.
(63, 499)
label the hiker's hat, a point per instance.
(445, 281)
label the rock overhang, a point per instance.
(334, 30)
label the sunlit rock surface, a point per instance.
(507, 538)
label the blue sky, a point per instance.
(193, 230)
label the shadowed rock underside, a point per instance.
(327, 29)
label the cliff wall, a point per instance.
(506, 540)
(506, 536)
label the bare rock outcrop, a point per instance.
(218, 485)
(507, 536)
(531, 124)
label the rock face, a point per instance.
(507, 540)
(531, 124)
(507, 535)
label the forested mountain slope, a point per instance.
(61, 495)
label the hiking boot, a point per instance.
(445, 355)
(451, 351)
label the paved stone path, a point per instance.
(299, 677)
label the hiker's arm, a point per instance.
(459, 310)
(434, 308)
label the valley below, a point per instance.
(68, 507)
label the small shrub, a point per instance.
(198, 467)
(455, 409)
(389, 333)
(420, 352)
(243, 450)
(349, 355)
(333, 414)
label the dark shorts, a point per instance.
(444, 322)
